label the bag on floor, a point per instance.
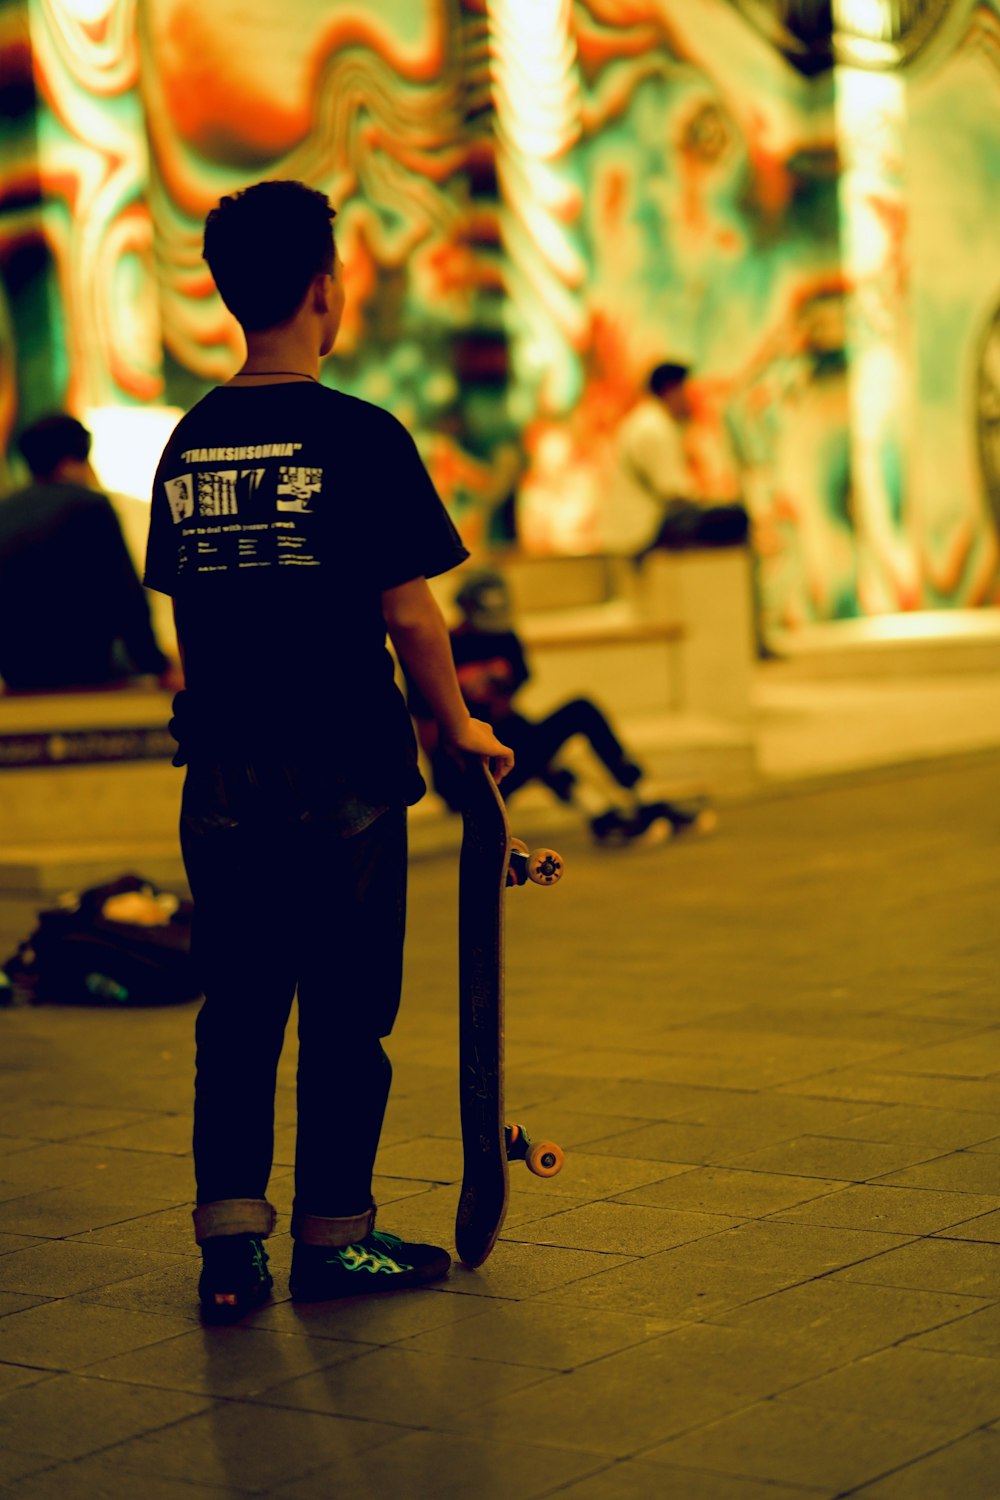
(125, 943)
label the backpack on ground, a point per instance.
(125, 943)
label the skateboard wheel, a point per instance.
(545, 867)
(545, 1159)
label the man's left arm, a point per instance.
(420, 636)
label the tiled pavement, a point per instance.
(770, 1268)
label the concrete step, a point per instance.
(922, 644)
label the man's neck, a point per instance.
(285, 352)
(72, 471)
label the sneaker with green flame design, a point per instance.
(381, 1262)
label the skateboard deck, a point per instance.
(490, 860)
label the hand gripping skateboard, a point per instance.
(490, 861)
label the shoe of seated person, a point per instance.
(381, 1262)
(611, 829)
(234, 1277)
(691, 815)
(651, 824)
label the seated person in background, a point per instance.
(651, 501)
(491, 668)
(72, 610)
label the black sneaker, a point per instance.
(611, 829)
(691, 816)
(651, 823)
(234, 1277)
(380, 1262)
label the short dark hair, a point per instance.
(45, 444)
(666, 376)
(264, 246)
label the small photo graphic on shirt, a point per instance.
(296, 487)
(217, 492)
(180, 494)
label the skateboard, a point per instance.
(490, 861)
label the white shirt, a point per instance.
(649, 469)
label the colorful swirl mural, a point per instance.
(25, 269)
(756, 212)
(93, 178)
(537, 201)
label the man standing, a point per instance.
(72, 610)
(293, 526)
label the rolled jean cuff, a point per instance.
(233, 1216)
(334, 1234)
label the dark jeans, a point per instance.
(535, 746)
(285, 902)
(687, 524)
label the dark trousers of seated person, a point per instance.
(286, 902)
(688, 525)
(536, 744)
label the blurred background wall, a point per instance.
(537, 201)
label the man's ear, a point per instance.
(321, 294)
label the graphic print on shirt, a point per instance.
(236, 455)
(300, 484)
(245, 517)
(180, 496)
(217, 492)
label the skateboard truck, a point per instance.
(543, 1158)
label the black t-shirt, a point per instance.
(72, 610)
(279, 515)
(490, 666)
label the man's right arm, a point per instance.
(420, 636)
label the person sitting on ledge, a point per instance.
(651, 502)
(489, 659)
(73, 613)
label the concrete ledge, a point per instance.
(119, 801)
(615, 623)
(87, 793)
(609, 653)
(664, 650)
(673, 635)
(67, 867)
(923, 643)
(127, 707)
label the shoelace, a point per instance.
(390, 1241)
